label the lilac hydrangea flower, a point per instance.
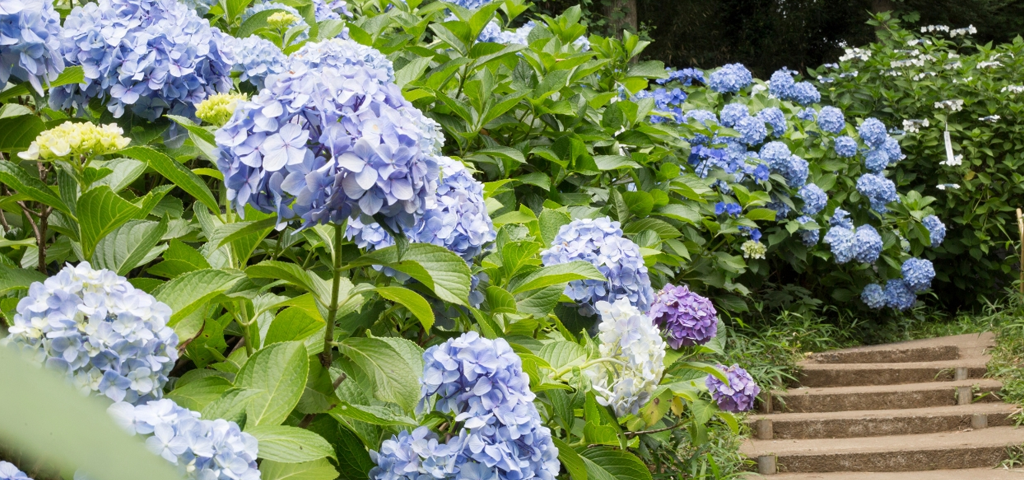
(736, 396)
(873, 296)
(9, 472)
(255, 58)
(774, 117)
(632, 339)
(898, 296)
(329, 139)
(600, 242)
(781, 84)
(814, 199)
(685, 318)
(867, 244)
(153, 57)
(880, 191)
(730, 78)
(104, 334)
(205, 449)
(805, 94)
(807, 237)
(936, 230)
(918, 274)
(831, 120)
(873, 132)
(30, 42)
(845, 146)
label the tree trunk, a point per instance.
(879, 6)
(621, 15)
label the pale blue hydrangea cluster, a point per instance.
(774, 117)
(30, 42)
(703, 118)
(873, 296)
(201, 449)
(684, 317)
(918, 274)
(202, 7)
(880, 191)
(805, 93)
(668, 103)
(330, 10)
(730, 78)
(831, 120)
(752, 130)
(936, 229)
(471, 4)
(481, 383)
(781, 208)
(738, 394)
(796, 172)
(9, 472)
(255, 58)
(686, 76)
(814, 199)
(152, 57)
(807, 114)
(330, 139)
(873, 132)
(457, 218)
(601, 243)
(782, 86)
(867, 244)
(845, 146)
(103, 333)
(807, 237)
(862, 243)
(780, 160)
(732, 113)
(632, 340)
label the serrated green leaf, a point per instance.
(605, 463)
(392, 377)
(320, 469)
(129, 246)
(571, 460)
(188, 292)
(278, 373)
(440, 270)
(71, 74)
(200, 393)
(12, 279)
(179, 259)
(15, 177)
(295, 275)
(412, 301)
(230, 405)
(374, 414)
(554, 275)
(176, 173)
(17, 133)
(101, 211)
(285, 444)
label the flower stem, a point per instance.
(326, 357)
(561, 372)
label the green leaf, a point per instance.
(373, 414)
(188, 292)
(295, 275)
(200, 393)
(648, 69)
(605, 463)
(556, 274)
(129, 246)
(256, 22)
(320, 469)
(571, 460)
(230, 405)
(176, 173)
(550, 222)
(101, 211)
(18, 132)
(412, 301)
(562, 353)
(125, 171)
(392, 377)
(761, 214)
(179, 259)
(278, 372)
(440, 270)
(296, 324)
(15, 177)
(13, 279)
(71, 74)
(281, 443)
(412, 71)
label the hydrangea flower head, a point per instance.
(898, 295)
(796, 172)
(74, 140)
(841, 218)
(845, 146)
(807, 114)
(776, 154)
(831, 120)
(752, 130)
(730, 78)
(876, 159)
(218, 108)
(867, 244)
(805, 94)
(600, 242)
(893, 150)
(150, 56)
(30, 42)
(873, 132)
(684, 317)
(774, 117)
(936, 229)
(918, 274)
(879, 190)
(254, 59)
(103, 333)
(736, 396)
(814, 199)
(841, 241)
(9, 472)
(733, 113)
(329, 139)
(807, 237)
(753, 249)
(206, 449)
(873, 296)
(781, 84)
(732, 209)
(631, 338)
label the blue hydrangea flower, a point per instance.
(845, 146)
(205, 449)
(807, 237)
(9, 472)
(936, 230)
(797, 170)
(631, 338)
(781, 84)
(873, 132)
(805, 94)
(103, 333)
(879, 190)
(30, 42)
(918, 274)
(736, 396)
(873, 296)
(841, 218)
(330, 10)
(730, 78)
(686, 76)
(753, 233)
(685, 318)
(814, 198)
(898, 296)
(893, 150)
(255, 58)
(774, 117)
(471, 4)
(807, 114)
(760, 172)
(732, 209)
(876, 160)
(330, 139)
(867, 244)
(781, 208)
(776, 155)
(840, 240)
(752, 130)
(153, 57)
(733, 113)
(481, 383)
(202, 7)
(705, 118)
(601, 243)
(831, 120)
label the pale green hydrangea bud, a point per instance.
(752, 249)
(282, 20)
(217, 109)
(71, 139)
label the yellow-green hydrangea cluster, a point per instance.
(282, 20)
(752, 249)
(217, 109)
(76, 139)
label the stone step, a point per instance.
(873, 423)
(855, 374)
(981, 448)
(928, 350)
(883, 397)
(961, 474)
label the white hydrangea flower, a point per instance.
(855, 53)
(1012, 89)
(990, 118)
(637, 352)
(914, 126)
(951, 105)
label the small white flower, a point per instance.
(1012, 89)
(990, 118)
(951, 105)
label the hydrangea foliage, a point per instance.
(634, 344)
(685, 318)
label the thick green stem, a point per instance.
(326, 357)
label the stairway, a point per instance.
(912, 410)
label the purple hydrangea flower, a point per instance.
(684, 317)
(730, 78)
(867, 244)
(918, 274)
(736, 396)
(807, 237)
(600, 242)
(845, 146)
(880, 191)
(814, 199)
(936, 230)
(774, 117)
(104, 334)
(873, 132)
(873, 296)
(898, 296)
(153, 57)
(831, 120)
(30, 42)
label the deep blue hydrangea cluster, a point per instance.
(867, 244)
(879, 190)
(863, 243)
(814, 199)
(873, 132)
(781, 208)
(841, 218)
(873, 296)
(753, 233)
(702, 117)
(201, 449)
(807, 237)
(30, 42)
(9, 472)
(635, 354)
(255, 58)
(831, 120)
(685, 76)
(457, 218)
(153, 57)
(481, 383)
(898, 295)
(738, 394)
(730, 78)
(685, 318)
(106, 335)
(918, 274)
(845, 146)
(936, 229)
(774, 117)
(666, 102)
(731, 209)
(601, 243)
(840, 239)
(330, 139)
